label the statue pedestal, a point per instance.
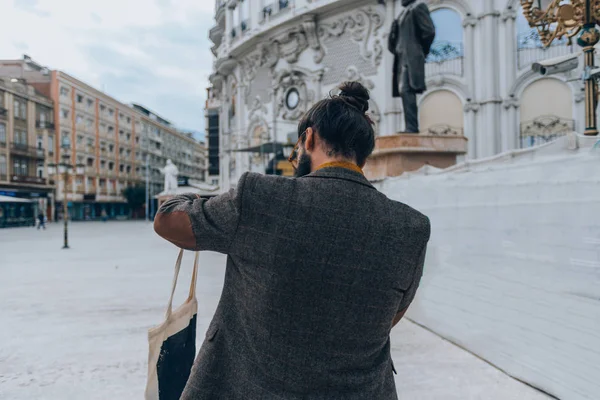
(403, 152)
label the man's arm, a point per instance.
(409, 295)
(193, 223)
(425, 27)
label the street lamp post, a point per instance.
(66, 168)
(555, 19)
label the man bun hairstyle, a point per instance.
(341, 121)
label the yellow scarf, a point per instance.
(341, 164)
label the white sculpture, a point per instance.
(170, 172)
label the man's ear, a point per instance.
(309, 142)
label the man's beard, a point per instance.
(407, 2)
(304, 165)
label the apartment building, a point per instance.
(161, 141)
(26, 144)
(110, 142)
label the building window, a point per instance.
(90, 162)
(20, 167)
(20, 137)
(90, 103)
(121, 167)
(16, 109)
(2, 133)
(79, 98)
(128, 120)
(102, 165)
(89, 123)
(79, 119)
(3, 169)
(102, 108)
(111, 112)
(111, 147)
(129, 169)
(64, 113)
(50, 144)
(80, 139)
(111, 166)
(90, 141)
(64, 91)
(110, 129)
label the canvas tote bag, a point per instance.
(173, 344)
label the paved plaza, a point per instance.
(73, 323)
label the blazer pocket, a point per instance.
(211, 332)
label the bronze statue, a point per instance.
(410, 39)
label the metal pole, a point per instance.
(66, 208)
(147, 188)
(588, 38)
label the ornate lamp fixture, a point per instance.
(567, 18)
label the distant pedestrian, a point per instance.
(41, 221)
(104, 216)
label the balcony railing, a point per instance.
(28, 179)
(530, 49)
(28, 151)
(445, 58)
(44, 125)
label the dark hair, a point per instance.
(342, 122)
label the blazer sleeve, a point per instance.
(424, 26)
(193, 223)
(409, 294)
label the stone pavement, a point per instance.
(73, 323)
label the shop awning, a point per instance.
(266, 148)
(9, 199)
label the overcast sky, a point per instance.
(153, 52)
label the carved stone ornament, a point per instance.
(284, 81)
(309, 23)
(363, 26)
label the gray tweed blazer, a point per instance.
(317, 268)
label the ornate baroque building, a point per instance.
(273, 61)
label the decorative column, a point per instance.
(471, 131)
(487, 76)
(510, 47)
(229, 21)
(469, 25)
(511, 131)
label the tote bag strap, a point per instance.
(192, 294)
(177, 268)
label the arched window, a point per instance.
(530, 48)
(446, 55)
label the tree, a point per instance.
(136, 197)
